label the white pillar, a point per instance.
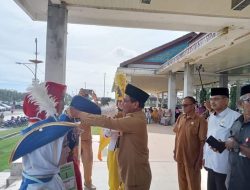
(188, 80)
(172, 98)
(238, 90)
(223, 80)
(162, 99)
(157, 100)
(56, 44)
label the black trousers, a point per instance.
(216, 181)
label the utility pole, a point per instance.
(32, 61)
(35, 61)
(104, 84)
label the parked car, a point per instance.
(2, 108)
(6, 106)
(19, 106)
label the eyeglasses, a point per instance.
(246, 100)
(186, 105)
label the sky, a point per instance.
(91, 50)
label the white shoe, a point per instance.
(92, 187)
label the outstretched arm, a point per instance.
(127, 124)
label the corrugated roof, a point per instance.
(147, 58)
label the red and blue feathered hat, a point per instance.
(43, 100)
(50, 129)
(39, 134)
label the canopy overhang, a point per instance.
(192, 15)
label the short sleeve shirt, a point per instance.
(190, 136)
(219, 126)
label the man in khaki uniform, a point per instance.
(87, 158)
(191, 131)
(133, 153)
(86, 147)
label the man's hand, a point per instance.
(214, 149)
(93, 95)
(207, 105)
(245, 150)
(231, 143)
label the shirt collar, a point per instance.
(192, 116)
(223, 113)
(135, 113)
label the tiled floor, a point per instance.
(164, 173)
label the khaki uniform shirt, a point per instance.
(133, 153)
(191, 134)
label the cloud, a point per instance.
(91, 50)
(123, 53)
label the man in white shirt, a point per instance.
(219, 124)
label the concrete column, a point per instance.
(162, 99)
(172, 98)
(223, 80)
(238, 90)
(157, 100)
(56, 44)
(188, 80)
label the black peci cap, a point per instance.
(220, 91)
(136, 93)
(245, 90)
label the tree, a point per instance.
(203, 95)
(11, 95)
(233, 94)
(203, 92)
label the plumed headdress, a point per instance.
(40, 134)
(43, 100)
